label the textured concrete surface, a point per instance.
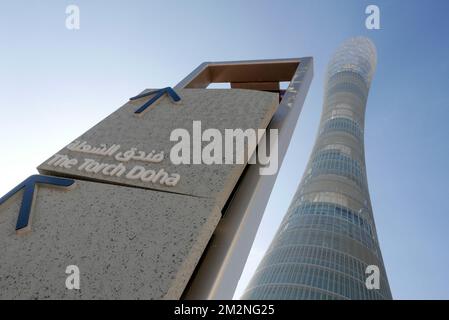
(216, 108)
(131, 239)
(129, 243)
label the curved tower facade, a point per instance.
(328, 237)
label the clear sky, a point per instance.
(56, 83)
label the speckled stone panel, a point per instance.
(128, 243)
(215, 108)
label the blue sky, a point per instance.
(57, 83)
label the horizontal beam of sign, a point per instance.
(28, 195)
(158, 93)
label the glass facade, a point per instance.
(336, 162)
(328, 236)
(342, 125)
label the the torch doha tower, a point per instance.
(328, 237)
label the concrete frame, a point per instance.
(220, 268)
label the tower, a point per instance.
(327, 238)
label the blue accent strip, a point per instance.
(158, 93)
(27, 200)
